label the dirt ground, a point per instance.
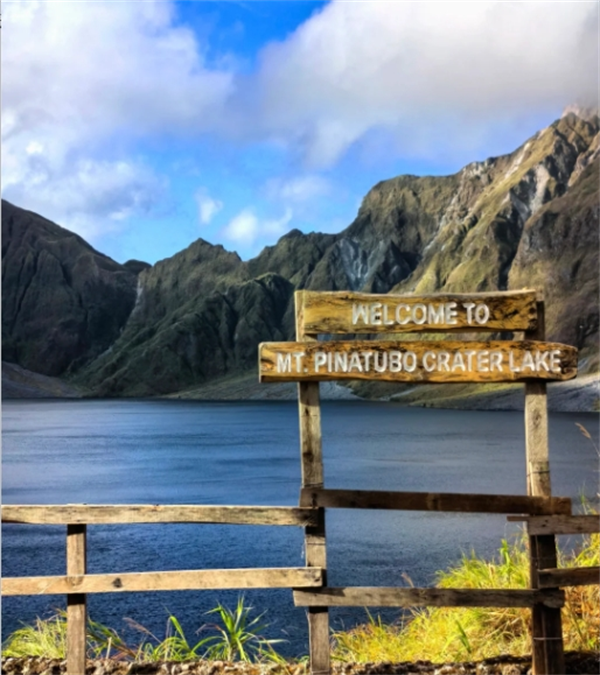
(577, 663)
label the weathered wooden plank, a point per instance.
(434, 501)
(536, 438)
(318, 617)
(572, 576)
(536, 423)
(426, 597)
(342, 312)
(587, 524)
(427, 361)
(546, 630)
(76, 602)
(97, 514)
(283, 577)
(309, 412)
(553, 641)
(311, 458)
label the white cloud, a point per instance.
(243, 228)
(98, 67)
(85, 83)
(93, 198)
(299, 189)
(207, 206)
(82, 83)
(246, 229)
(426, 71)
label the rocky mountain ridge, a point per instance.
(529, 218)
(63, 302)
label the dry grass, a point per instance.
(456, 634)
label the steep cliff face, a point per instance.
(396, 222)
(185, 279)
(294, 257)
(203, 338)
(63, 303)
(558, 251)
(481, 226)
(529, 218)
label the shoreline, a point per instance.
(579, 395)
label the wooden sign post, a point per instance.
(546, 629)
(532, 361)
(76, 602)
(309, 411)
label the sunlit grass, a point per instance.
(458, 634)
(234, 636)
(46, 638)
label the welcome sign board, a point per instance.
(416, 361)
(440, 361)
(344, 312)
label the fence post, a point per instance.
(309, 410)
(547, 641)
(76, 602)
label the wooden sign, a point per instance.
(433, 361)
(344, 312)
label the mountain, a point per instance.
(529, 218)
(63, 303)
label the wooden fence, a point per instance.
(545, 516)
(308, 583)
(77, 583)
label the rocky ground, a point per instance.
(18, 382)
(579, 395)
(577, 663)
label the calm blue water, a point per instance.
(178, 452)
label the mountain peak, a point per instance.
(585, 112)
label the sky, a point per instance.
(144, 125)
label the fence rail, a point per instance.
(377, 596)
(180, 580)
(76, 584)
(100, 514)
(560, 524)
(435, 501)
(572, 576)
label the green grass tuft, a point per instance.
(46, 638)
(235, 636)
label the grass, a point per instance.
(46, 638)
(235, 637)
(238, 636)
(458, 634)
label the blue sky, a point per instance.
(145, 125)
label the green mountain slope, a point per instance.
(63, 303)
